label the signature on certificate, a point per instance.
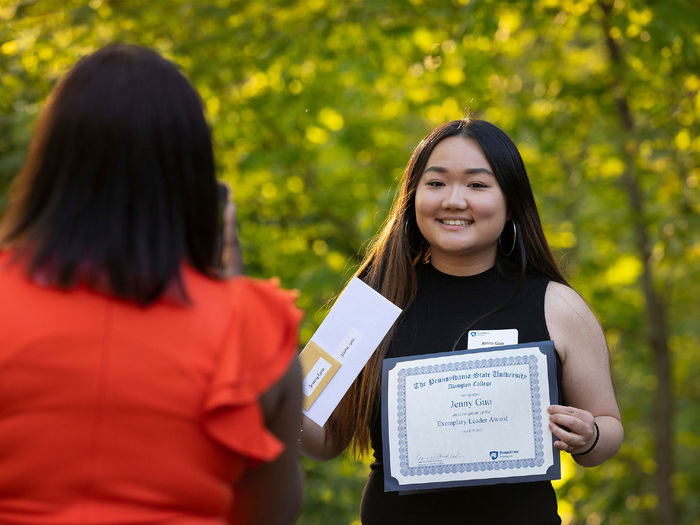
(439, 458)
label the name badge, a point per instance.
(488, 338)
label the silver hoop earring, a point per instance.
(515, 236)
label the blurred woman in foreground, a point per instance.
(137, 383)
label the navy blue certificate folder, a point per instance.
(469, 417)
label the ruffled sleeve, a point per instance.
(260, 343)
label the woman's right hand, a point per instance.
(316, 443)
(231, 258)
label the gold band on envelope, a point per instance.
(308, 358)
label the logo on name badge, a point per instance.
(473, 334)
(493, 454)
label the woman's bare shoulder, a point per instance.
(570, 320)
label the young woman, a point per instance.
(137, 385)
(463, 248)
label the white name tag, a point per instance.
(349, 342)
(315, 376)
(488, 338)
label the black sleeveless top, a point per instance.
(443, 309)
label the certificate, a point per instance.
(469, 418)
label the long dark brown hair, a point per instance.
(118, 188)
(389, 265)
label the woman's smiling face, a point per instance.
(460, 208)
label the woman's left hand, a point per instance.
(573, 427)
(585, 380)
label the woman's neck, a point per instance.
(461, 266)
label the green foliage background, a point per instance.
(315, 106)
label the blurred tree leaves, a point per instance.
(315, 106)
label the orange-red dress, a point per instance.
(115, 413)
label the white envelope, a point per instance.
(350, 333)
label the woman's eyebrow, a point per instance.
(469, 171)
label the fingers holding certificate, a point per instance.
(469, 418)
